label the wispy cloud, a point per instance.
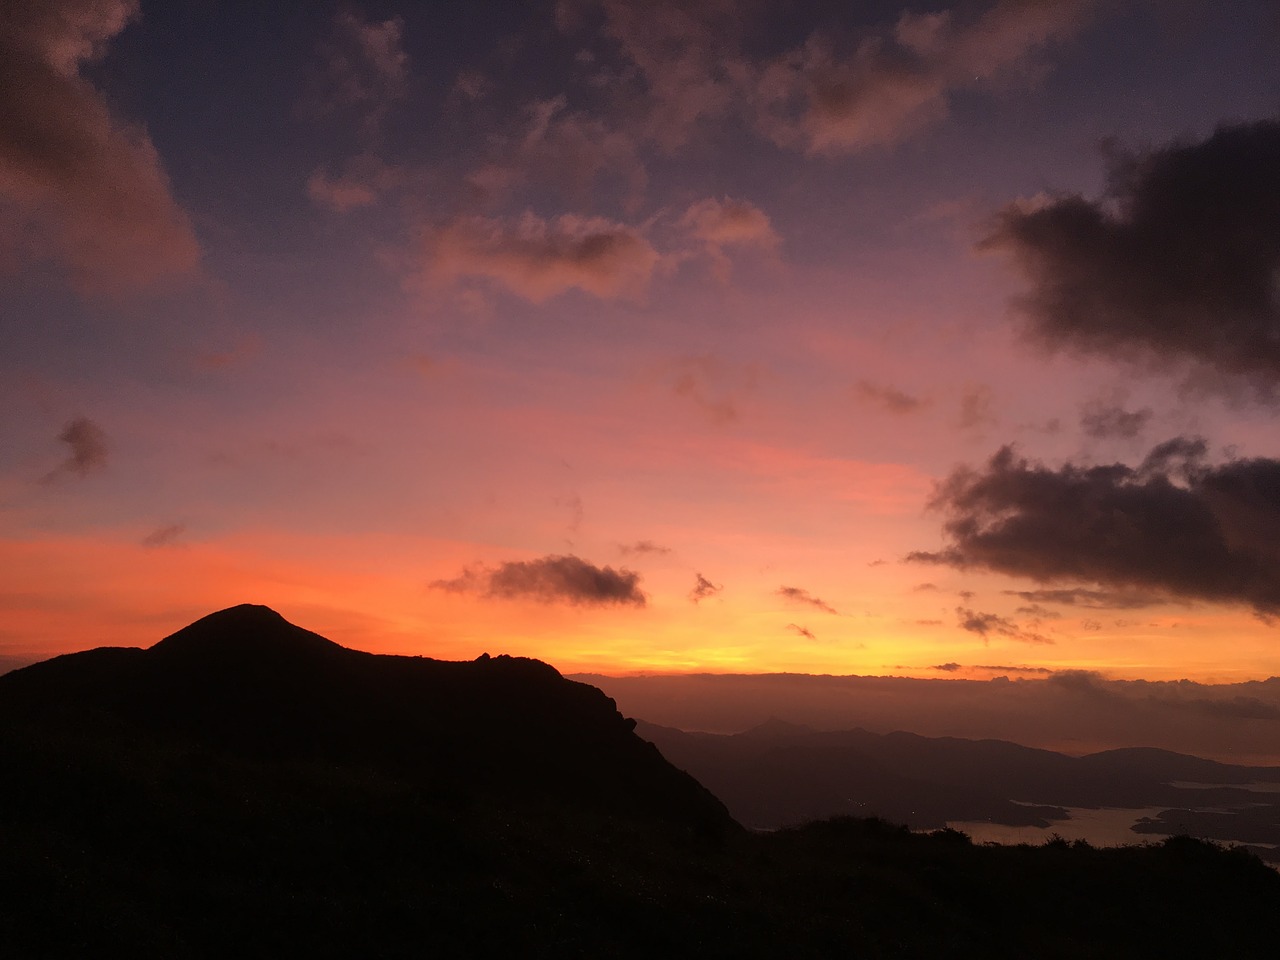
(164, 535)
(986, 624)
(889, 399)
(805, 598)
(538, 259)
(703, 588)
(87, 445)
(81, 185)
(641, 547)
(825, 99)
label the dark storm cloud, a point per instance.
(703, 588)
(1104, 422)
(88, 449)
(986, 624)
(551, 579)
(798, 595)
(1178, 262)
(1174, 526)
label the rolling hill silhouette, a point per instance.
(780, 774)
(248, 788)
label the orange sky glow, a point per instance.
(878, 339)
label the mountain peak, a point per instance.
(248, 628)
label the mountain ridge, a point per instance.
(246, 680)
(192, 801)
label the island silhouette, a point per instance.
(245, 787)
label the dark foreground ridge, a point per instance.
(247, 788)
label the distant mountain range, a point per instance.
(780, 774)
(248, 788)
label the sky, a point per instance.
(928, 339)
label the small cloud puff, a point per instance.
(87, 443)
(550, 579)
(538, 259)
(703, 588)
(801, 596)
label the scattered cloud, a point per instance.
(703, 588)
(1002, 668)
(889, 399)
(1173, 526)
(642, 547)
(241, 351)
(568, 148)
(718, 225)
(363, 182)
(538, 259)
(472, 84)
(1176, 264)
(78, 184)
(1037, 611)
(682, 62)
(550, 579)
(1093, 599)
(682, 66)
(87, 443)
(801, 596)
(572, 503)
(802, 631)
(893, 84)
(977, 408)
(985, 624)
(164, 536)
(368, 68)
(712, 385)
(1105, 421)
(951, 667)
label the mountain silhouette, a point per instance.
(247, 788)
(780, 774)
(247, 681)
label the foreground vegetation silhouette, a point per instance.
(247, 788)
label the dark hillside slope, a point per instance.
(246, 681)
(248, 789)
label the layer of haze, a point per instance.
(892, 338)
